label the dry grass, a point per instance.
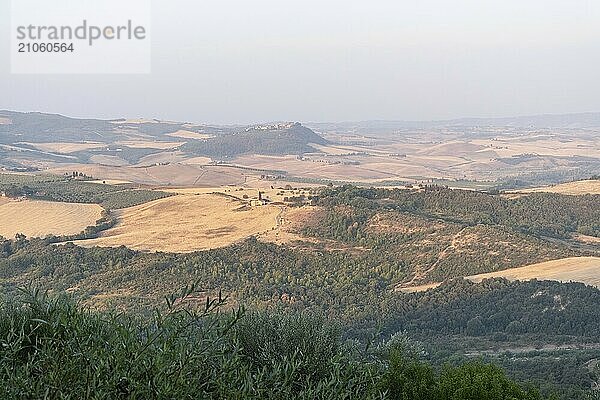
(189, 135)
(571, 188)
(404, 224)
(574, 269)
(42, 218)
(336, 150)
(289, 232)
(416, 289)
(187, 222)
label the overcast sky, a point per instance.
(240, 61)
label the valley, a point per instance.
(390, 200)
(476, 239)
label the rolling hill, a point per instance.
(186, 223)
(506, 153)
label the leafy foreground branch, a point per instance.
(51, 348)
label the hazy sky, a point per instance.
(233, 61)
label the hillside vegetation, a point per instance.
(37, 127)
(349, 253)
(294, 139)
(440, 233)
(540, 214)
(354, 290)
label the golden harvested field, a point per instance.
(41, 218)
(572, 188)
(289, 221)
(337, 149)
(186, 223)
(575, 269)
(189, 135)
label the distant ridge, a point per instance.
(569, 120)
(220, 142)
(575, 120)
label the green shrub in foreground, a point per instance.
(51, 348)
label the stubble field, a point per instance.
(41, 218)
(186, 223)
(574, 269)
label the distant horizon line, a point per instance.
(322, 122)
